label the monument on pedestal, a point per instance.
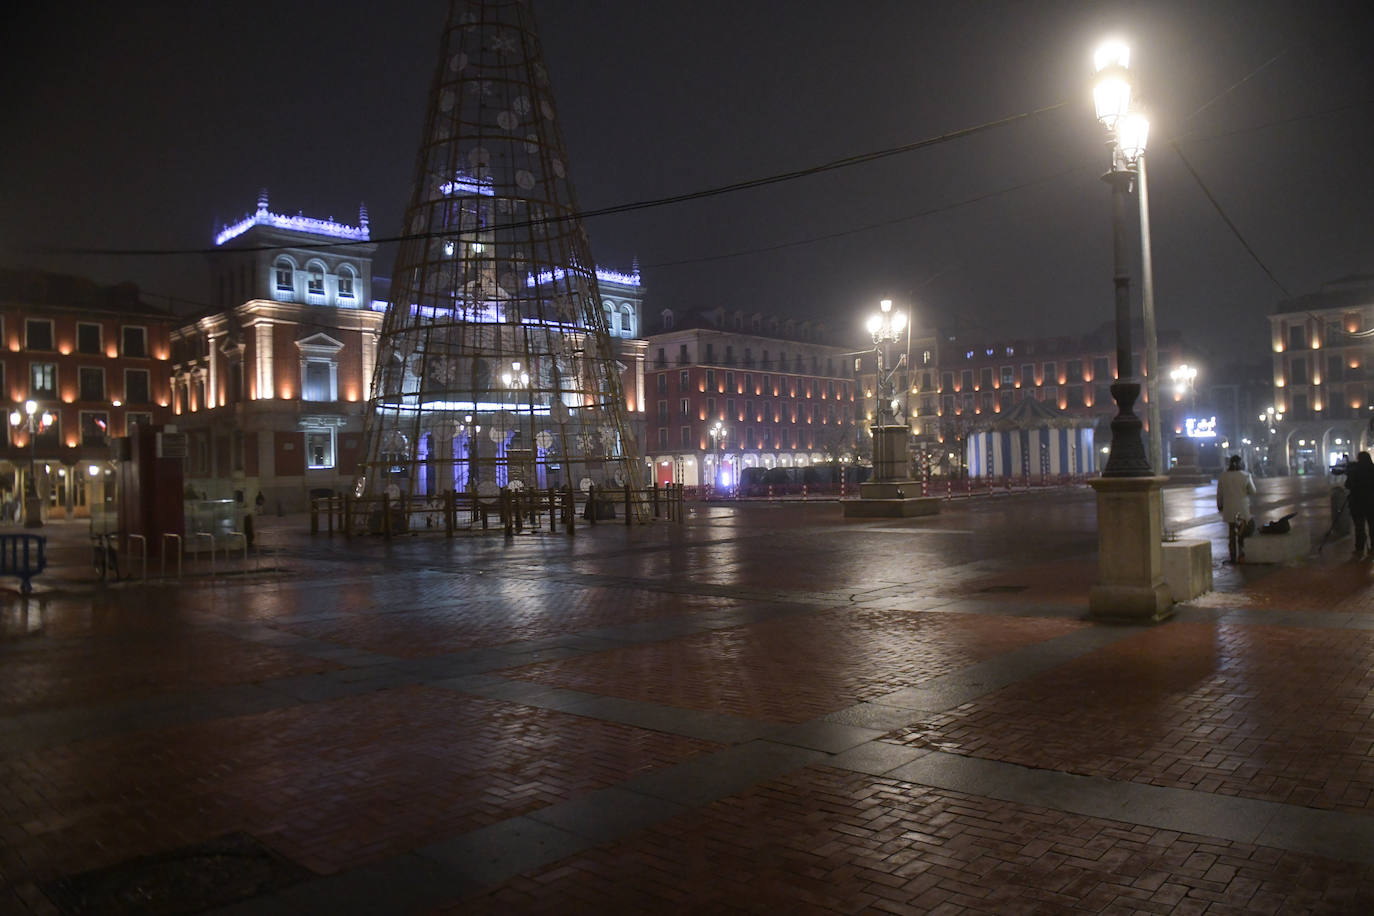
(891, 492)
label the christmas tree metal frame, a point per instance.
(494, 366)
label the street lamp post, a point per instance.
(1130, 583)
(889, 439)
(35, 423)
(1127, 134)
(1271, 419)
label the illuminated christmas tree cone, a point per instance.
(494, 366)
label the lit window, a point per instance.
(315, 282)
(285, 279)
(42, 380)
(134, 419)
(95, 427)
(319, 381)
(319, 448)
(345, 284)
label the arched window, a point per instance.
(286, 277)
(627, 321)
(314, 281)
(346, 282)
(611, 327)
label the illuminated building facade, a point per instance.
(269, 386)
(92, 358)
(980, 379)
(1323, 384)
(781, 394)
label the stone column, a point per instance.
(1130, 561)
(212, 375)
(267, 388)
(369, 353)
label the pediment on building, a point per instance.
(319, 344)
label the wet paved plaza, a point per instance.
(767, 708)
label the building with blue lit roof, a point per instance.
(271, 384)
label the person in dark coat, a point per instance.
(1359, 480)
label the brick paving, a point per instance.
(407, 632)
(793, 670)
(138, 662)
(329, 785)
(823, 840)
(1274, 713)
(705, 718)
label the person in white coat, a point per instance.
(1234, 487)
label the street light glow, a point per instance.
(1111, 53)
(1133, 132)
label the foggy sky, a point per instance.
(150, 125)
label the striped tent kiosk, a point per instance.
(1033, 441)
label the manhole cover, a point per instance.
(1003, 589)
(187, 880)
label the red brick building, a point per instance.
(781, 392)
(93, 358)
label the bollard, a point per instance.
(518, 510)
(553, 511)
(591, 504)
(682, 504)
(569, 507)
(627, 505)
(314, 516)
(450, 508)
(205, 534)
(654, 497)
(142, 550)
(348, 515)
(506, 520)
(244, 537)
(176, 539)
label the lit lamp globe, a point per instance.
(1132, 133)
(1112, 87)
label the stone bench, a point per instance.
(1278, 548)
(1187, 568)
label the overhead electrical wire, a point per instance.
(735, 187)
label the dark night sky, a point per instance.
(148, 125)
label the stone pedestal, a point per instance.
(890, 453)
(891, 493)
(1130, 565)
(1186, 470)
(891, 499)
